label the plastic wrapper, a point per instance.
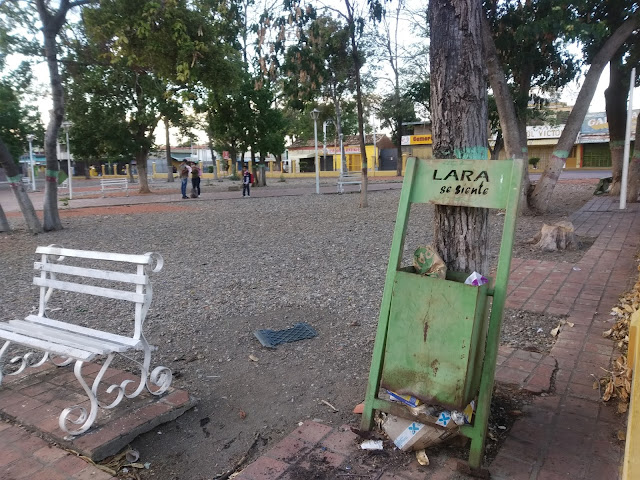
(476, 279)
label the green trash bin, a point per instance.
(436, 340)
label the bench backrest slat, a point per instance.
(92, 273)
(89, 289)
(145, 259)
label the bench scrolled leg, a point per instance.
(161, 379)
(19, 363)
(77, 414)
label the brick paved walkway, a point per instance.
(566, 432)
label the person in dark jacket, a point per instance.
(246, 181)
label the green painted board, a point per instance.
(471, 183)
(436, 328)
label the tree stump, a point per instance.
(559, 236)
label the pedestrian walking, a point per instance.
(184, 170)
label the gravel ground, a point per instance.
(235, 266)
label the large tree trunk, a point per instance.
(514, 142)
(541, 195)
(616, 106)
(168, 151)
(233, 153)
(4, 223)
(336, 103)
(399, 147)
(213, 159)
(497, 147)
(13, 173)
(51, 27)
(252, 168)
(364, 202)
(459, 116)
(633, 189)
(141, 162)
(262, 178)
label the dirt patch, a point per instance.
(529, 330)
(317, 259)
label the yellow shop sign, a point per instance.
(416, 140)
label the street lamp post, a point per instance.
(314, 114)
(30, 138)
(343, 160)
(66, 125)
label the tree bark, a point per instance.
(559, 236)
(51, 26)
(541, 195)
(336, 103)
(514, 142)
(498, 146)
(616, 107)
(253, 168)
(141, 162)
(633, 189)
(364, 202)
(233, 153)
(4, 223)
(262, 179)
(168, 151)
(213, 159)
(459, 118)
(13, 173)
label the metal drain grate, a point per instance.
(272, 338)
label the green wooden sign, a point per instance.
(435, 341)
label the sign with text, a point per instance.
(225, 155)
(596, 123)
(416, 140)
(544, 131)
(348, 150)
(472, 183)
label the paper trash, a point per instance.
(406, 399)
(426, 261)
(468, 412)
(476, 279)
(371, 445)
(444, 419)
(458, 418)
(408, 435)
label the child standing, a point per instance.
(246, 181)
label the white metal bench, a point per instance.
(349, 179)
(63, 342)
(109, 184)
(64, 185)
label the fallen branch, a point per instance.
(329, 405)
(239, 463)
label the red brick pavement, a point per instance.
(26, 456)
